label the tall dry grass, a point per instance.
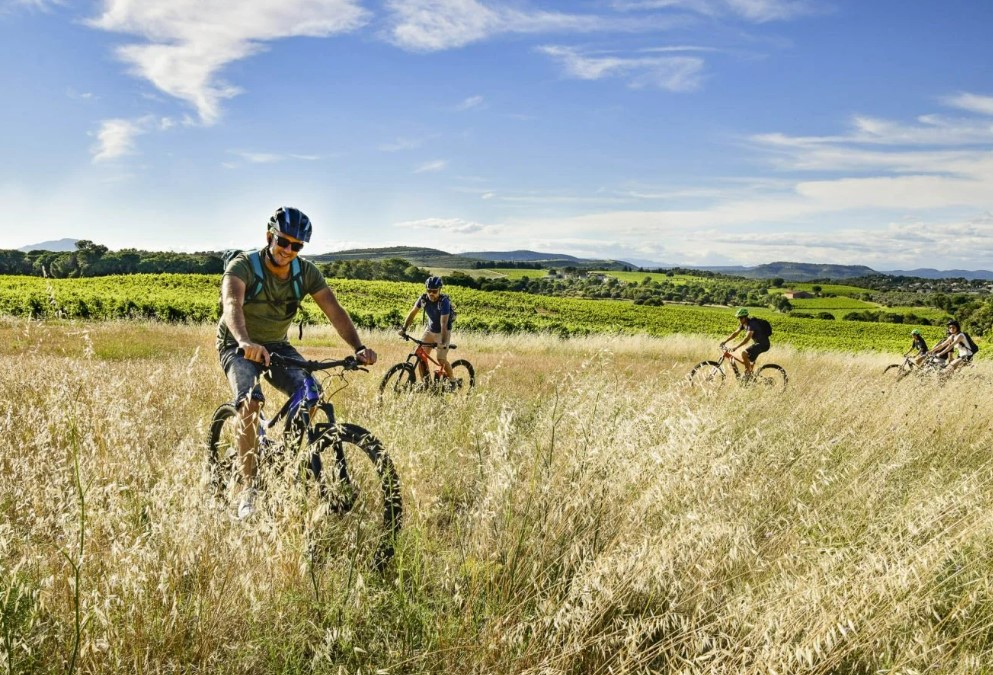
(583, 511)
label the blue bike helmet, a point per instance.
(291, 221)
(433, 283)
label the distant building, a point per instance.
(797, 295)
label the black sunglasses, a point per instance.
(283, 242)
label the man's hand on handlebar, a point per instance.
(255, 352)
(366, 356)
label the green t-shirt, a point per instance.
(269, 314)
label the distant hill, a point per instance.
(432, 257)
(521, 256)
(57, 245)
(930, 273)
(794, 271)
(547, 259)
(420, 256)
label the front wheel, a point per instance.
(707, 375)
(222, 450)
(359, 482)
(772, 376)
(398, 379)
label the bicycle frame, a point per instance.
(420, 354)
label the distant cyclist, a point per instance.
(917, 345)
(260, 293)
(438, 308)
(956, 340)
(756, 330)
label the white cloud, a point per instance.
(188, 42)
(44, 5)
(758, 11)
(470, 103)
(402, 144)
(116, 138)
(433, 25)
(453, 225)
(971, 102)
(272, 157)
(673, 73)
(435, 165)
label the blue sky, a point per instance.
(675, 131)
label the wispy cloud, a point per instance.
(982, 105)
(186, 43)
(402, 144)
(13, 5)
(758, 11)
(433, 25)
(434, 165)
(453, 225)
(673, 73)
(470, 103)
(272, 157)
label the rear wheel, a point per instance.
(771, 376)
(398, 379)
(359, 482)
(463, 376)
(707, 375)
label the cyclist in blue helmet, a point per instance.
(438, 309)
(261, 291)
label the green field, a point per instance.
(381, 304)
(827, 289)
(828, 304)
(638, 277)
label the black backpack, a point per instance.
(764, 328)
(972, 343)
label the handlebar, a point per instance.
(422, 343)
(347, 363)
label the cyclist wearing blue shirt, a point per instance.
(438, 308)
(753, 331)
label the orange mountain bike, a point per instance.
(711, 374)
(404, 376)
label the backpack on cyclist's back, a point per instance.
(255, 287)
(973, 347)
(451, 313)
(764, 327)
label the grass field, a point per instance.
(582, 511)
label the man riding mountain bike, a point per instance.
(756, 330)
(260, 293)
(438, 308)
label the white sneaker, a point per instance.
(246, 507)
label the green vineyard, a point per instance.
(381, 304)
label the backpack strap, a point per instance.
(256, 262)
(296, 274)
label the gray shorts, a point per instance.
(243, 375)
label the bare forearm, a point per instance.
(234, 319)
(338, 317)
